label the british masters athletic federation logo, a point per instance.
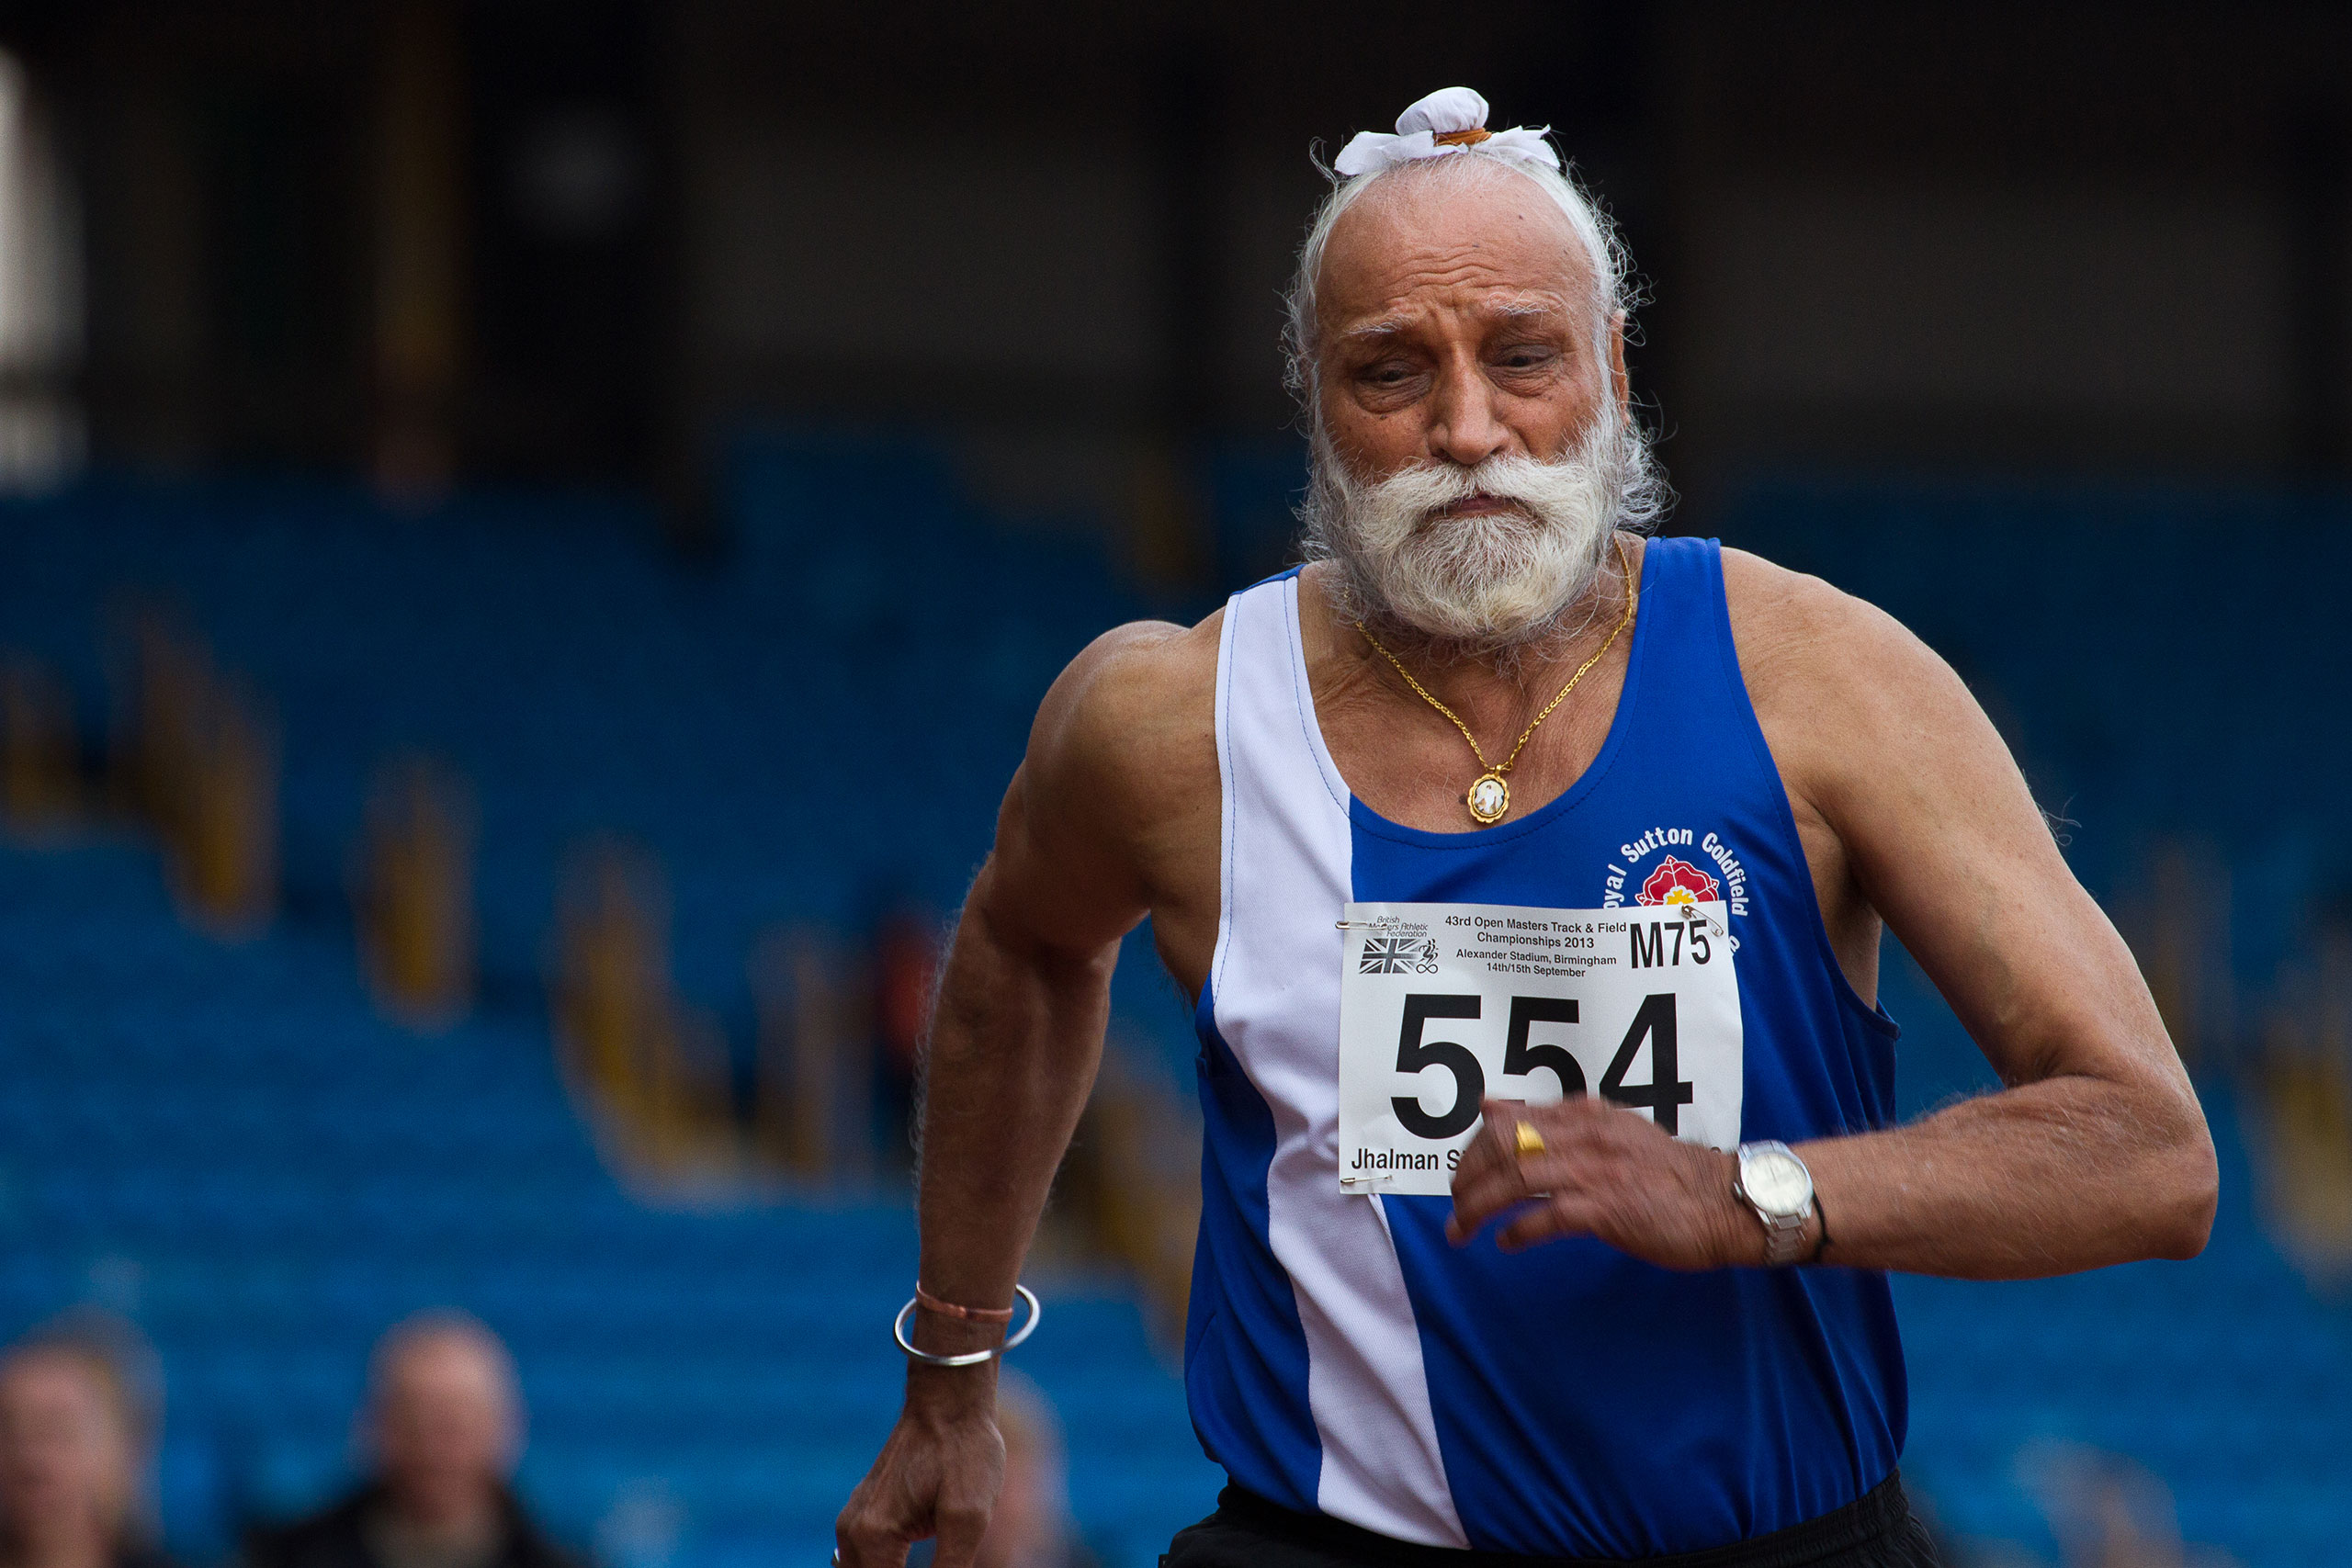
(1676, 880)
(1397, 955)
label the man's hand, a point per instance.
(1606, 1172)
(938, 1475)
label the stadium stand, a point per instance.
(2156, 660)
(2226, 1378)
(825, 720)
(230, 1145)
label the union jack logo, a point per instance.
(1387, 955)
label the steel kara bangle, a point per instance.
(969, 1358)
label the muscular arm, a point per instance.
(1014, 1043)
(1015, 1040)
(2094, 1151)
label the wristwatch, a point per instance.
(1775, 1183)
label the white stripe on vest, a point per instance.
(1275, 988)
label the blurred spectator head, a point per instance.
(73, 1438)
(1031, 1527)
(444, 1419)
(2106, 1509)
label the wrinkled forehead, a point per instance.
(1484, 242)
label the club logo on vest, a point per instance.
(1668, 866)
(1676, 880)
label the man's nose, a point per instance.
(1463, 426)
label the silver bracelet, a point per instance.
(969, 1358)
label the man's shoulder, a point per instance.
(1141, 700)
(1845, 693)
(1773, 596)
(1797, 634)
(1122, 760)
(1148, 665)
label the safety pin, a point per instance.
(1691, 915)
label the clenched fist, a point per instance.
(938, 1475)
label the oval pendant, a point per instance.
(1489, 799)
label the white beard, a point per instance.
(1479, 585)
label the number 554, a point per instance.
(1662, 1096)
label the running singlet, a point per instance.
(1339, 1355)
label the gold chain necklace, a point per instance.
(1489, 795)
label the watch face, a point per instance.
(1775, 1182)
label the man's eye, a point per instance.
(1386, 375)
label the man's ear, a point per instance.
(1620, 382)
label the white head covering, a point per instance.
(1452, 119)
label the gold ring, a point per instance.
(1529, 1141)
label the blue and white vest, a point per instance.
(1340, 1355)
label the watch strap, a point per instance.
(1783, 1238)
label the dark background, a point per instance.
(2010, 238)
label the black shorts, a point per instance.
(1878, 1530)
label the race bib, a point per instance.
(1442, 1005)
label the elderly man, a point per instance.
(1529, 874)
(444, 1424)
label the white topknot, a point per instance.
(1447, 109)
(1450, 120)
